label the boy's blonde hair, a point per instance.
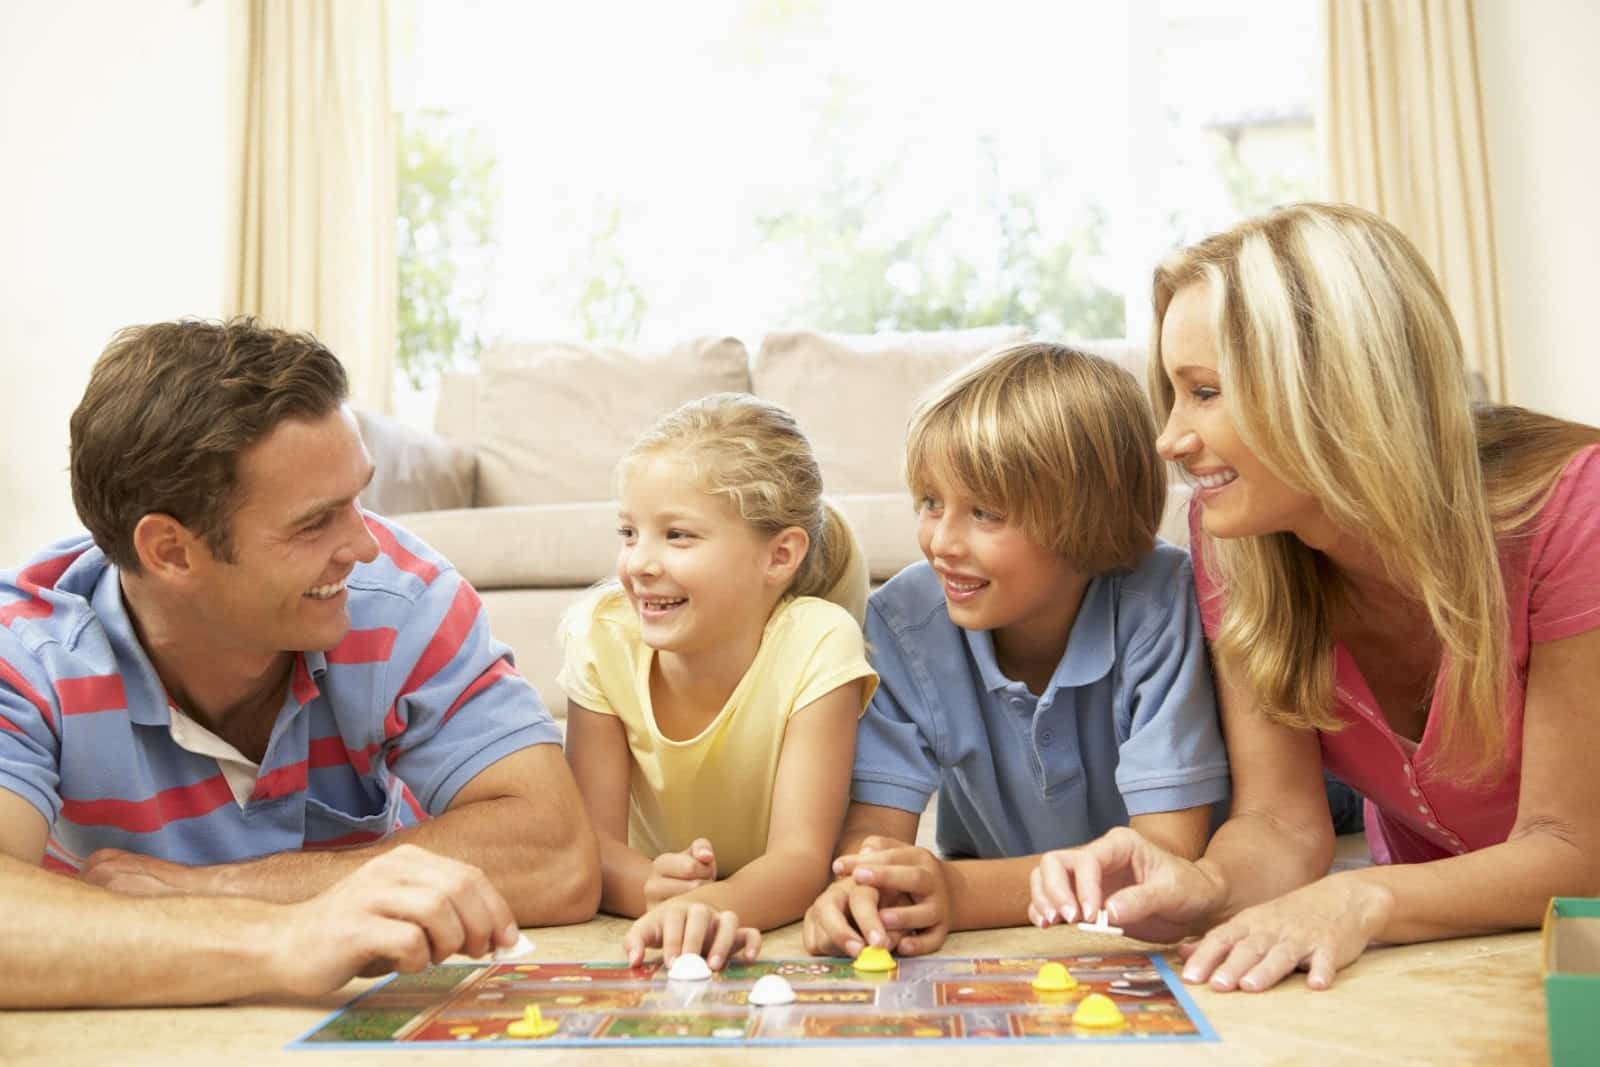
(1060, 441)
(1342, 371)
(753, 452)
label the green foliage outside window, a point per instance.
(447, 203)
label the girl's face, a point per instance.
(698, 575)
(1239, 497)
(994, 576)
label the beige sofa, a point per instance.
(516, 489)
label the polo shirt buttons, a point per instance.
(1047, 737)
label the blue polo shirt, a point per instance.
(1126, 726)
(378, 732)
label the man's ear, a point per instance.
(166, 548)
(785, 552)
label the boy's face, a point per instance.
(995, 577)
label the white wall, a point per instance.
(112, 194)
(1539, 61)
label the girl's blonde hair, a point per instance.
(1343, 372)
(753, 452)
(1060, 441)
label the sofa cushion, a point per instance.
(415, 471)
(853, 394)
(553, 419)
(524, 545)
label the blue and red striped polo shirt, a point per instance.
(378, 732)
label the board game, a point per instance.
(611, 1004)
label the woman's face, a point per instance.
(1239, 497)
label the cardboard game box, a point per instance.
(1572, 980)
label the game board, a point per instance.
(611, 1004)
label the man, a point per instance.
(268, 732)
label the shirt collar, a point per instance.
(1091, 646)
(147, 697)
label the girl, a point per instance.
(714, 687)
(1397, 587)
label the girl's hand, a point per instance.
(680, 926)
(1150, 893)
(675, 873)
(1319, 928)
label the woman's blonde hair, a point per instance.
(1342, 371)
(753, 452)
(1060, 441)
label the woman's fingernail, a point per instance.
(853, 947)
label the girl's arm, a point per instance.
(597, 751)
(808, 805)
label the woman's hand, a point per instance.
(1150, 893)
(1319, 928)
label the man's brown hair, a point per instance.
(168, 411)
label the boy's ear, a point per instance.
(786, 551)
(165, 547)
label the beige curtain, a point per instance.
(1406, 140)
(314, 247)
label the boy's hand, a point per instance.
(912, 878)
(844, 918)
(676, 873)
(678, 926)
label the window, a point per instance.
(647, 172)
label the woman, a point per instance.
(1397, 587)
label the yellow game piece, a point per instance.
(532, 1024)
(1054, 978)
(463, 1031)
(1098, 1011)
(875, 960)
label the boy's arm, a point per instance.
(597, 751)
(808, 805)
(1183, 833)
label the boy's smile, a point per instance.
(996, 578)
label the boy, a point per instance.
(1044, 670)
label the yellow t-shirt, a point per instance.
(717, 785)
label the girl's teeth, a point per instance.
(1212, 481)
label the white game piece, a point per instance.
(522, 948)
(689, 967)
(771, 990)
(1100, 926)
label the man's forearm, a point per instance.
(985, 894)
(548, 882)
(64, 943)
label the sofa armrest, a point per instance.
(416, 471)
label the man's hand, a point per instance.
(400, 911)
(141, 876)
(680, 926)
(675, 873)
(913, 894)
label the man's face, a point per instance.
(296, 536)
